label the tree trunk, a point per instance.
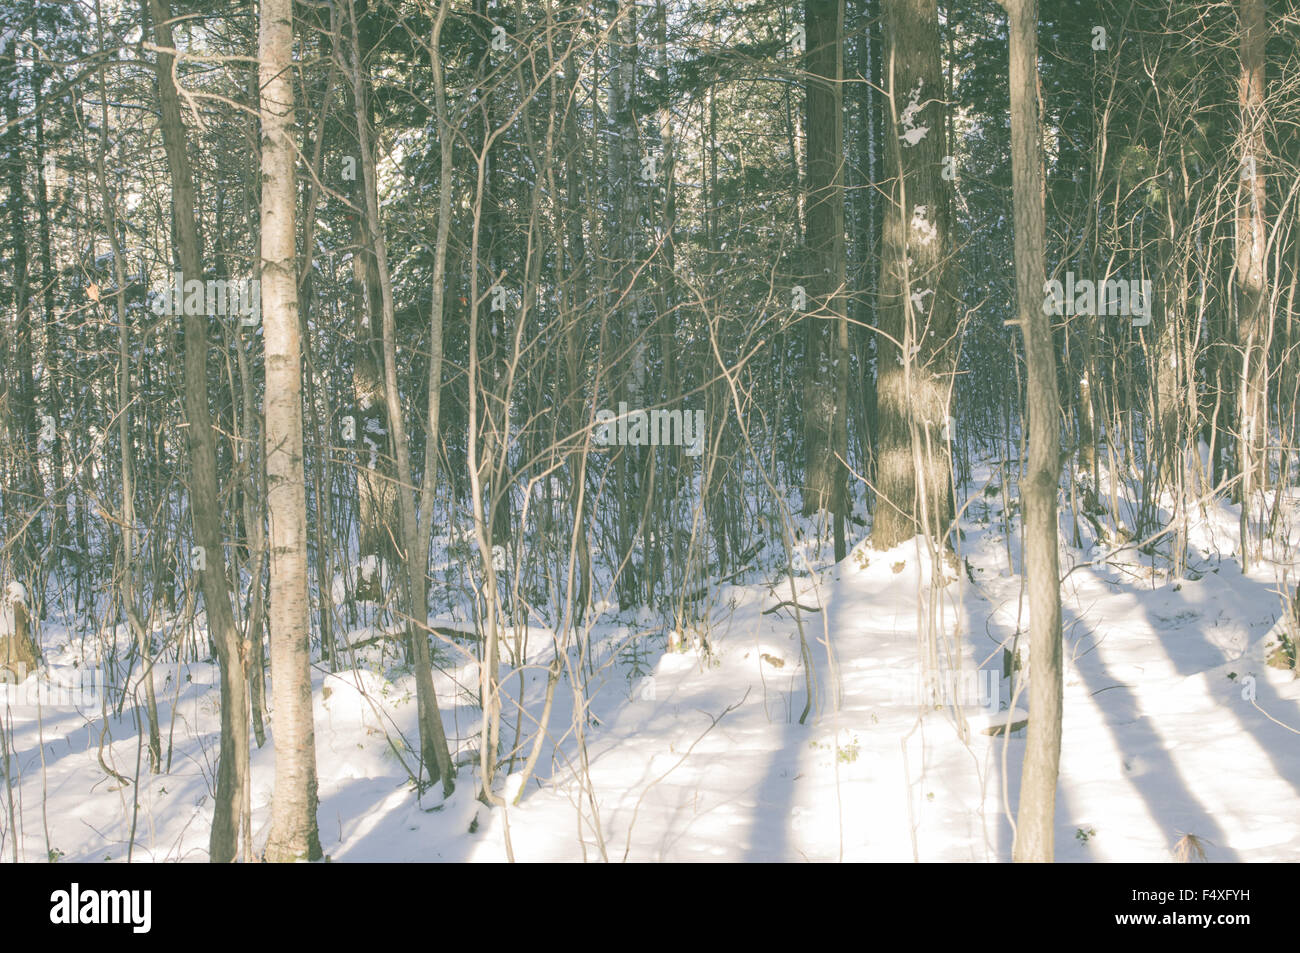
(205, 505)
(126, 454)
(376, 493)
(435, 757)
(294, 834)
(826, 383)
(916, 306)
(1253, 320)
(23, 502)
(433, 738)
(19, 652)
(1038, 490)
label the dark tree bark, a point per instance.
(415, 523)
(377, 495)
(915, 349)
(205, 505)
(25, 494)
(826, 387)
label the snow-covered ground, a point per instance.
(1174, 725)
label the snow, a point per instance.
(15, 592)
(925, 232)
(912, 133)
(1174, 724)
(363, 572)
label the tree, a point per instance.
(917, 308)
(1254, 326)
(205, 506)
(127, 520)
(24, 493)
(294, 834)
(1038, 485)
(376, 490)
(826, 393)
(415, 525)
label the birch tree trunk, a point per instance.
(1253, 323)
(294, 834)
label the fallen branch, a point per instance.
(781, 605)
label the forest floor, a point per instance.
(1174, 725)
